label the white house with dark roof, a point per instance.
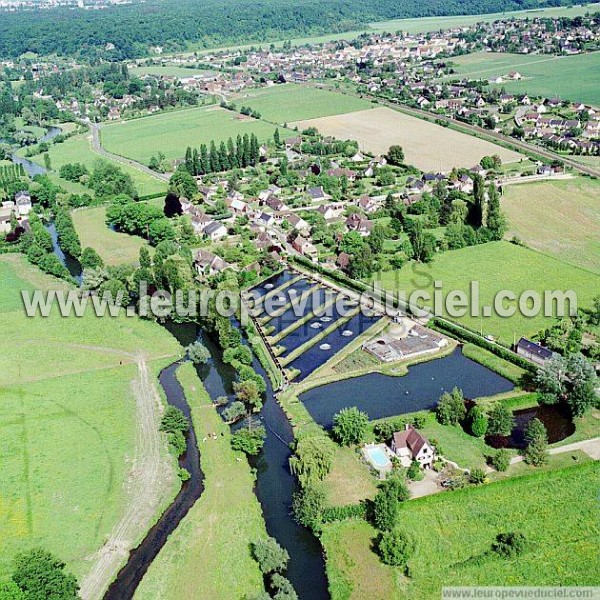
(214, 231)
(533, 352)
(409, 445)
(23, 203)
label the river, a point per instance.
(31, 168)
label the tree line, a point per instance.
(238, 154)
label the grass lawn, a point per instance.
(67, 421)
(171, 133)
(291, 102)
(209, 556)
(496, 266)
(557, 511)
(114, 248)
(559, 218)
(490, 360)
(78, 149)
(568, 77)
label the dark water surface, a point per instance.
(385, 396)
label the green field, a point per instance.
(171, 133)
(167, 70)
(557, 512)
(67, 421)
(496, 266)
(78, 149)
(568, 77)
(558, 218)
(288, 103)
(114, 248)
(208, 556)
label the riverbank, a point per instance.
(208, 555)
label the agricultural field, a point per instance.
(78, 149)
(171, 133)
(68, 421)
(425, 144)
(496, 266)
(114, 248)
(167, 70)
(291, 102)
(558, 218)
(557, 512)
(568, 77)
(208, 555)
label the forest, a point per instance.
(130, 31)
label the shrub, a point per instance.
(174, 420)
(478, 421)
(307, 507)
(395, 548)
(500, 421)
(271, 557)
(249, 441)
(341, 513)
(414, 472)
(385, 510)
(536, 453)
(384, 431)
(509, 545)
(198, 353)
(184, 474)
(501, 460)
(234, 411)
(477, 476)
(283, 588)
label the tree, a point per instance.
(478, 421)
(570, 380)
(145, 260)
(385, 509)
(395, 155)
(509, 545)
(235, 411)
(349, 426)
(477, 207)
(312, 460)
(90, 259)
(108, 180)
(9, 590)
(307, 507)
(536, 453)
(183, 184)
(283, 588)
(42, 576)
(249, 440)
(271, 557)
(395, 548)
(501, 421)
(414, 472)
(451, 408)
(198, 353)
(495, 220)
(277, 138)
(249, 393)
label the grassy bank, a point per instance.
(209, 556)
(556, 511)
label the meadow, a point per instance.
(114, 248)
(425, 144)
(568, 77)
(557, 511)
(208, 555)
(291, 102)
(496, 266)
(558, 218)
(167, 70)
(78, 149)
(67, 421)
(171, 133)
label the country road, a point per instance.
(149, 481)
(590, 447)
(97, 147)
(492, 135)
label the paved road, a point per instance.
(97, 147)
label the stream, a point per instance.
(140, 558)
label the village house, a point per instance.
(297, 223)
(317, 194)
(23, 203)
(533, 352)
(214, 231)
(331, 211)
(304, 247)
(358, 223)
(207, 263)
(368, 204)
(409, 445)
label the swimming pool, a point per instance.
(378, 457)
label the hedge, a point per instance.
(341, 513)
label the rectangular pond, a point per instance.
(331, 344)
(271, 283)
(386, 396)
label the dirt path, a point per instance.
(149, 481)
(590, 447)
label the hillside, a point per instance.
(177, 24)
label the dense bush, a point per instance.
(349, 426)
(271, 557)
(395, 548)
(341, 513)
(509, 545)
